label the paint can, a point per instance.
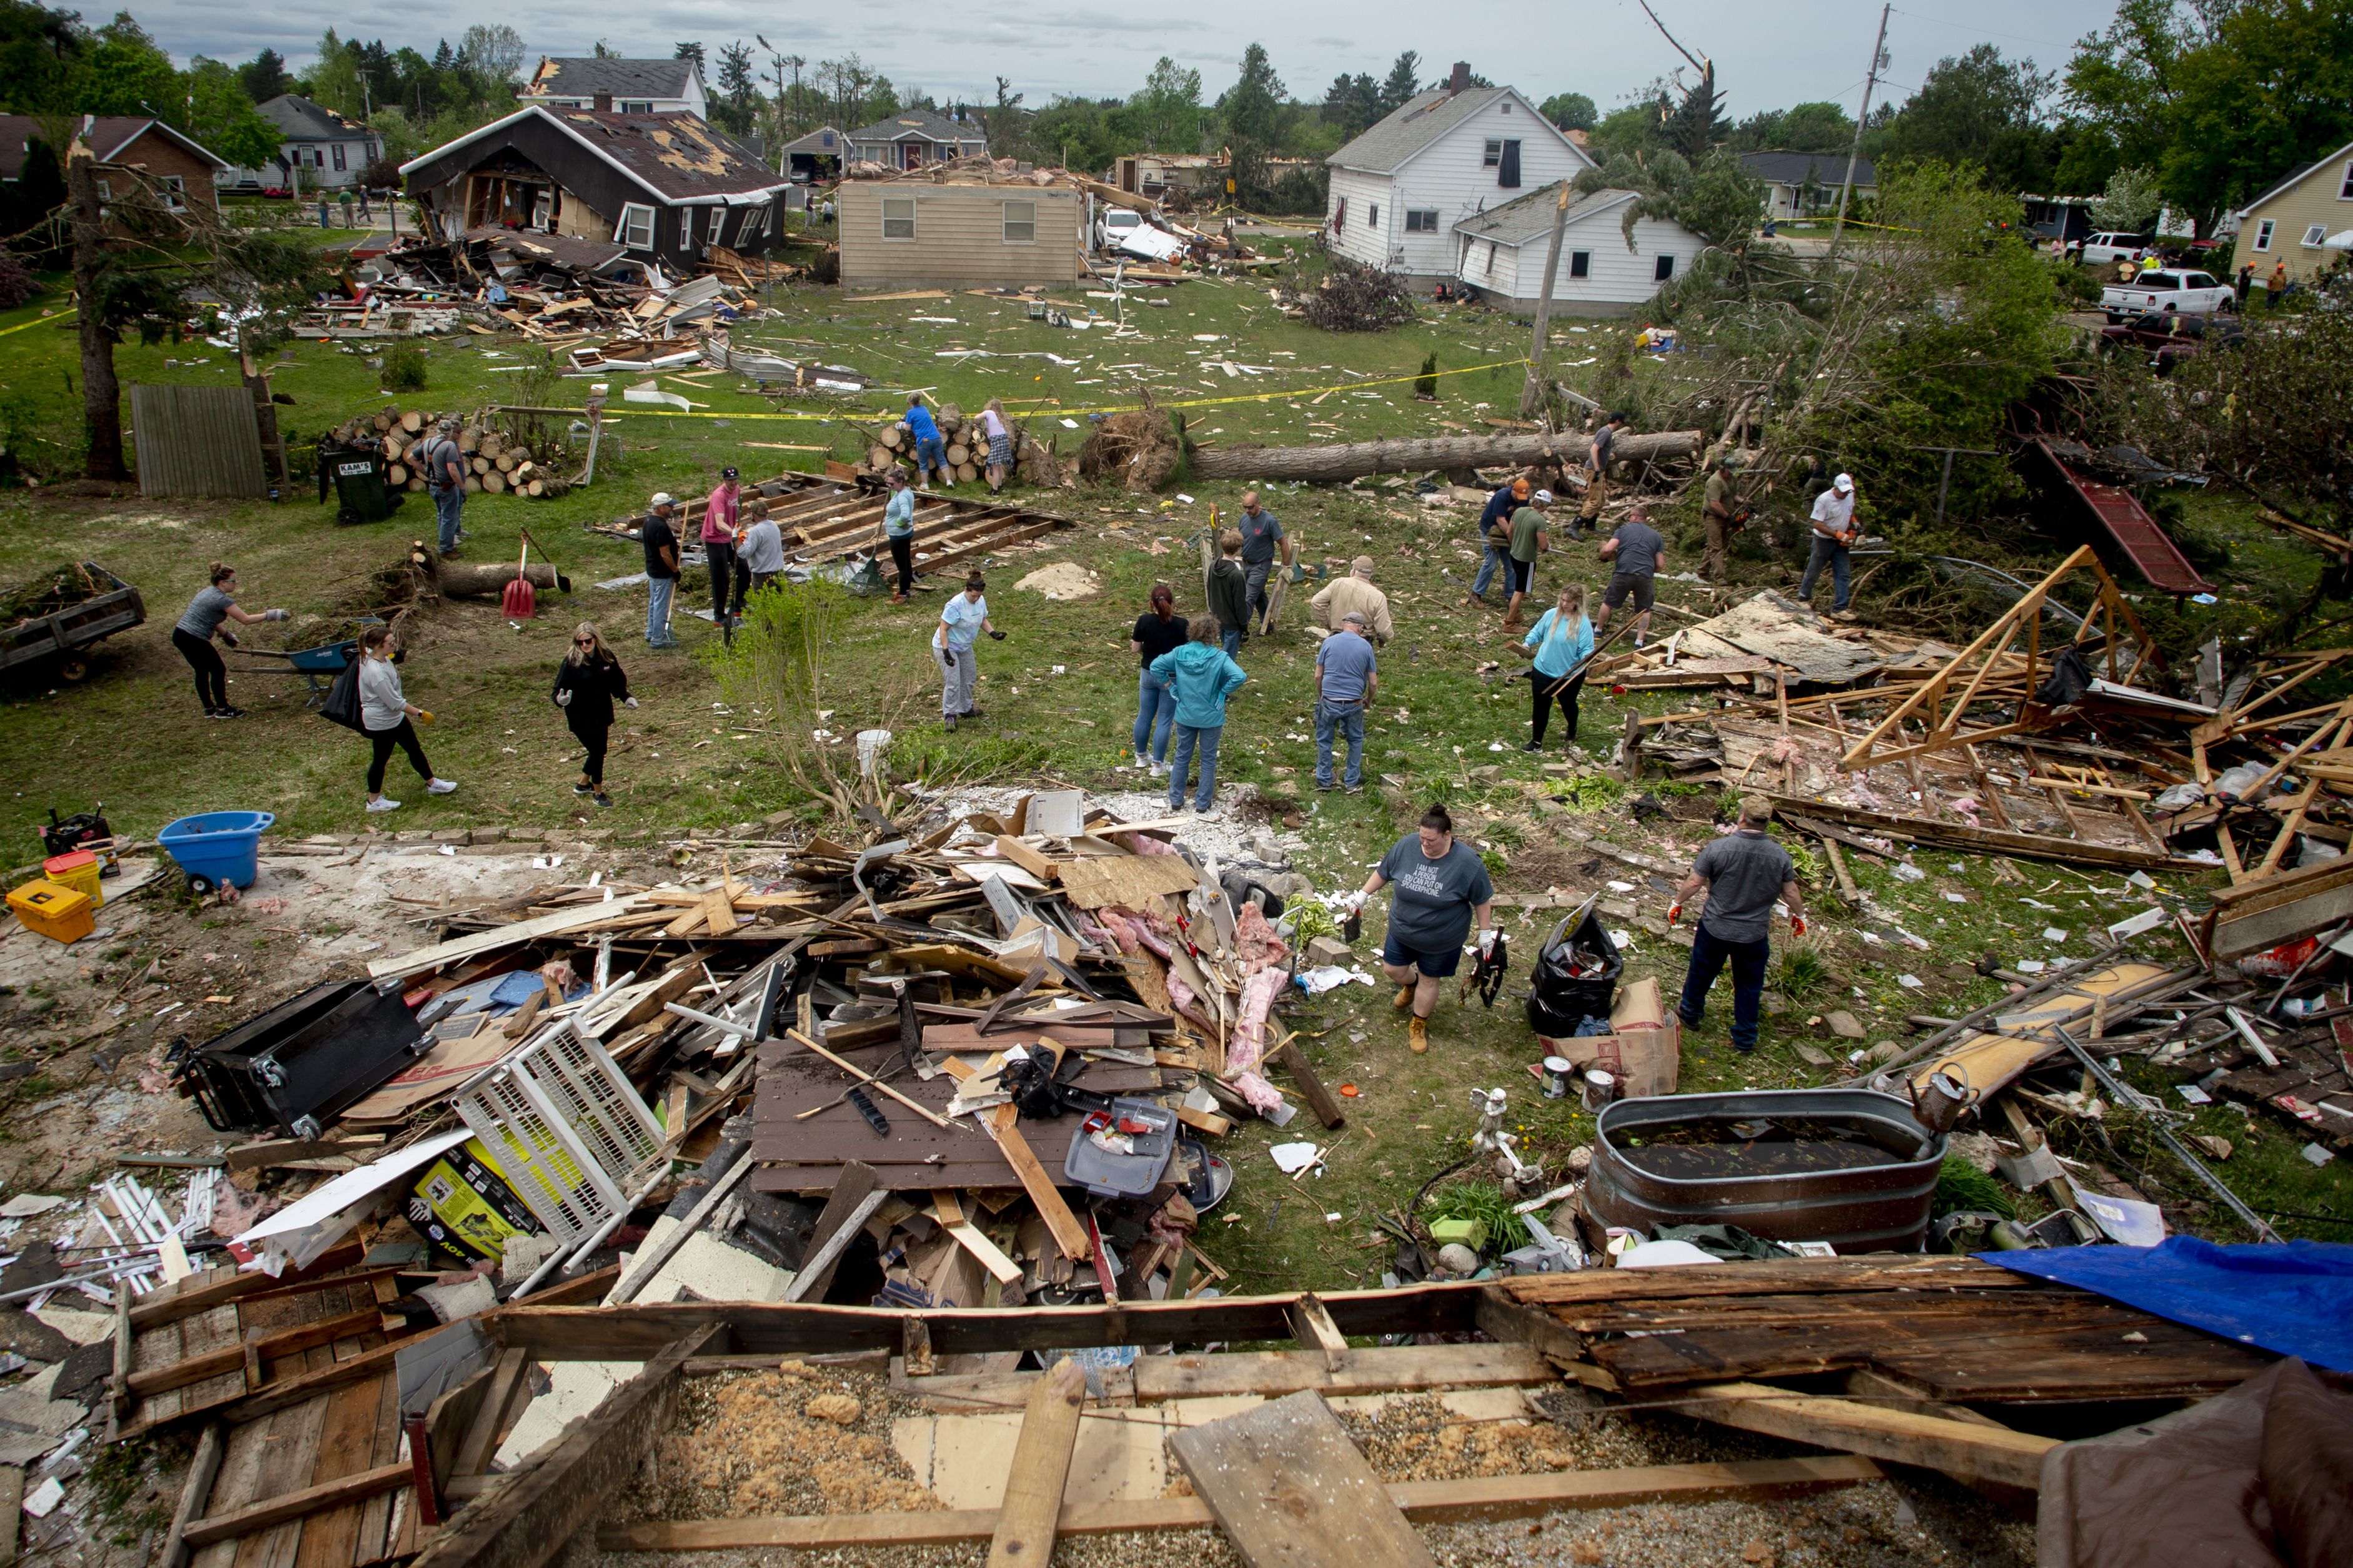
(1557, 1071)
(1600, 1088)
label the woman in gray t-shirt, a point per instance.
(1442, 893)
(200, 624)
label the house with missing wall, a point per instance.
(1445, 156)
(916, 139)
(667, 187)
(184, 171)
(1503, 252)
(2294, 221)
(636, 87)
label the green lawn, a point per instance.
(131, 736)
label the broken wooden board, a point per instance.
(1481, 1497)
(1964, 1450)
(1024, 1537)
(1972, 840)
(1989, 1061)
(1128, 881)
(1290, 1490)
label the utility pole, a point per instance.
(1846, 186)
(102, 396)
(1532, 395)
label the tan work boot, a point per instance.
(1417, 1035)
(1403, 999)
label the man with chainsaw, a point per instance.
(1745, 872)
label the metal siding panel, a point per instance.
(197, 441)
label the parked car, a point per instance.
(2167, 290)
(2169, 337)
(2107, 249)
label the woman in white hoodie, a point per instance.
(385, 714)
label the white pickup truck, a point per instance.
(2189, 293)
(2107, 249)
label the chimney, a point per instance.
(1461, 79)
(602, 103)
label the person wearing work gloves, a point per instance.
(1744, 873)
(1635, 551)
(200, 624)
(1263, 536)
(1442, 891)
(587, 682)
(962, 620)
(384, 715)
(1561, 640)
(1202, 675)
(1834, 534)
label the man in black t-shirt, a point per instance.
(659, 536)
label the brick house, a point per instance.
(186, 171)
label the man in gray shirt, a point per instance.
(763, 553)
(1261, 532)
(1745, 872)
(1636, 552)
(1347, 675)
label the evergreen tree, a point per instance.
(264, 76)
(1403, 81)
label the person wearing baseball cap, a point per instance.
(1745, 872)
(660, 540)
(1347, 677)
(1495, 536)
(1834, 533)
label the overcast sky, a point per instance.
(1768, 54)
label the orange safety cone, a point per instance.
(521, 603)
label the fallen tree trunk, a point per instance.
(1359, 459)
(488, 580)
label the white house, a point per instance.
(320, 149)
(1806, 185)
(916, 139)
(1448, 154)
(635, 87)
(1500, 253)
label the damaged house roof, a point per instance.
(675, 158)
(584, 76)
(109, 135)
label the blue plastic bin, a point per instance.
(216, 847)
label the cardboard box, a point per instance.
(1643, 1048)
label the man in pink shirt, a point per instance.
(730, 581)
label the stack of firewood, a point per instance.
(501, 464)
(1034, 462)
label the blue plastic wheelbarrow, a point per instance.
(318, 666)
(217, 846)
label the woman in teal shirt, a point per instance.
(1561, 640)
(1203, 676)
(899, 527)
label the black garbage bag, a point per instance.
(2070, 678)
(1575, 976)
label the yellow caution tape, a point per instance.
(65, 315)
(1053, 405)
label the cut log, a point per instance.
(505, 462)
(412, 422)
(383, 422)
(491, 444)
(495, 482)
(892, 439)
(878, 457)
(958, 455)
(480, 465)
(473, 484)
(966, 473)
(1359, 459)
(488, 580)
(396, 475)
(469, 440)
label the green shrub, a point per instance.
(403, 368)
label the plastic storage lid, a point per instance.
(1107, 1175)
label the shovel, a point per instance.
(520, 601)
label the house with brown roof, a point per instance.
(665, 187)
(184, 170)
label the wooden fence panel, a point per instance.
(197, 441)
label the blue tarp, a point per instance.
(2295, 1298)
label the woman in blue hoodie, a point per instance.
(1202, 676)
(1561, 640)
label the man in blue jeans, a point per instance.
(444, 480)
(660, 540)
(1347, 675)
(1744, 873)
(930, 450)
(1496, 555)
(1834, 534)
